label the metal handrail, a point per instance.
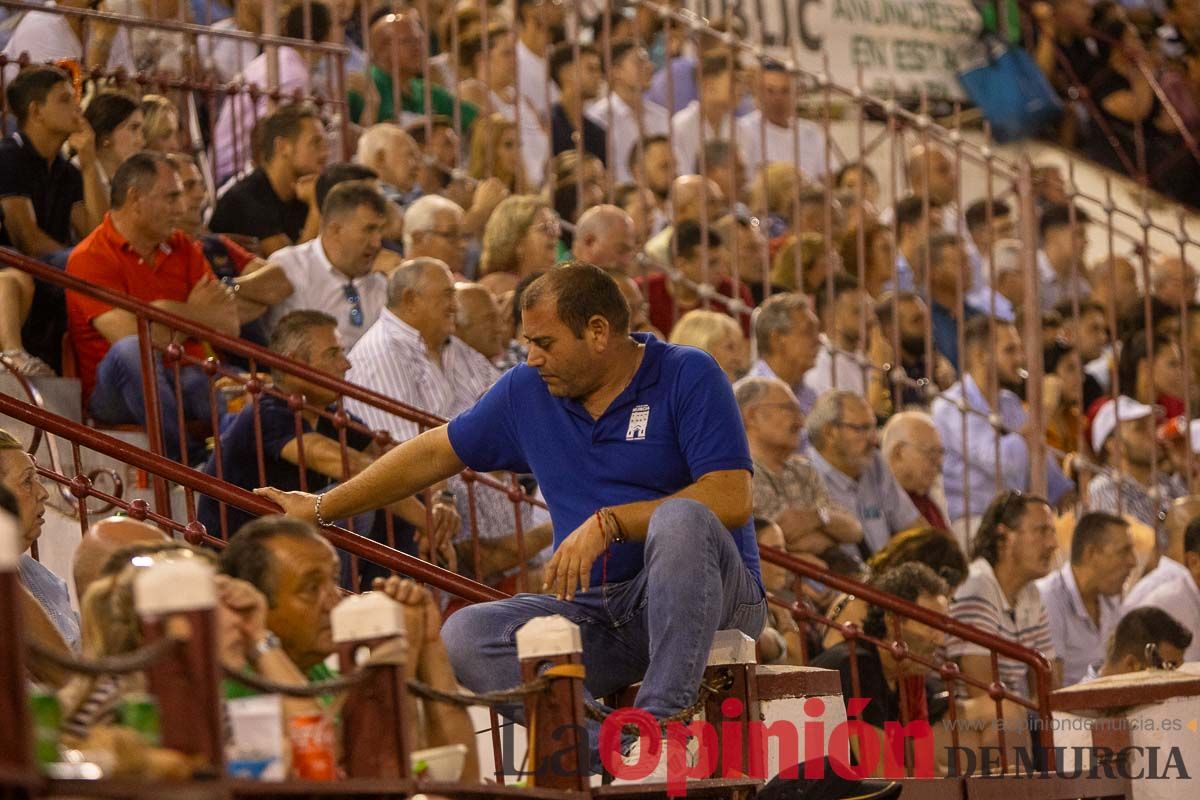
(219, 490)
(233, 345)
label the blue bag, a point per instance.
(1012, 93)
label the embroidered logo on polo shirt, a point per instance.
(639, 419)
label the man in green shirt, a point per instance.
(396, 52)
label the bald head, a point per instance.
(478, 322)
(931, 171)
(1182, 511)
(912, 448)
(689, 192)
(605, 236)
(392, 153)
(1173, 281)
(102, 540)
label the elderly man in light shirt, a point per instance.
(1083, 597)
(412, 355)
(986, 389)
(843, 448)
(786, 337)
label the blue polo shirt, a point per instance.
(675, 422)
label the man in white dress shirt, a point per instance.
(775, 122)
(539, 25)
(1083, 598)
(633, 117)
(332, 273)
(691, 128)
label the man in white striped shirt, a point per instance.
(1015, 545)
(412, 355)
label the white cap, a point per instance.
(1105, 421)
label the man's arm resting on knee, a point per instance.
(401, 472)
(727, 493)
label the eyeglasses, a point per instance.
(450, 236)
(356, 312)
(794, 408)
(1155, 660)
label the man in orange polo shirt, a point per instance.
(138, 252)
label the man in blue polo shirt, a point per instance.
(640, 451)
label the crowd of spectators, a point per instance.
(883, 383)
(1130, 75)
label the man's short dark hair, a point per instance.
(621, 48)
(348, 196)
(1067, 311)
(1191, 537)
(1008, 509)
(1134, 350)
(1144, 626)
(907, 582)
(139, 171)
(885, 309)
(842, 282)
(563, 54)
(320, 18)
(285, 123)
(107, 111)
(689, 235)
(339, 173)
(977, 213)
(580, 291)
(909, 211)
(977, 331)
(247, 555)
(32, 85)
(1092, 531)
(636, 152)
(715, 65)
(718, 152)
(1058, 215)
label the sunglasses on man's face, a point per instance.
(1156, 661)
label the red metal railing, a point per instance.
(260, 361)
(1039, 667)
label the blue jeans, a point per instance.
(694, 583)
(118, 397)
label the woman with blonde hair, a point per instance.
(494, 153)
(716, 334)
(520, 238)
(160, 124)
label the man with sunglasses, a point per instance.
(1145, 638)
(333, 272)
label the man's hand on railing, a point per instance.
(300, 505)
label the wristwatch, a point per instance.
(266, 644)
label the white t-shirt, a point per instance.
(625, 133)
(781, 145)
